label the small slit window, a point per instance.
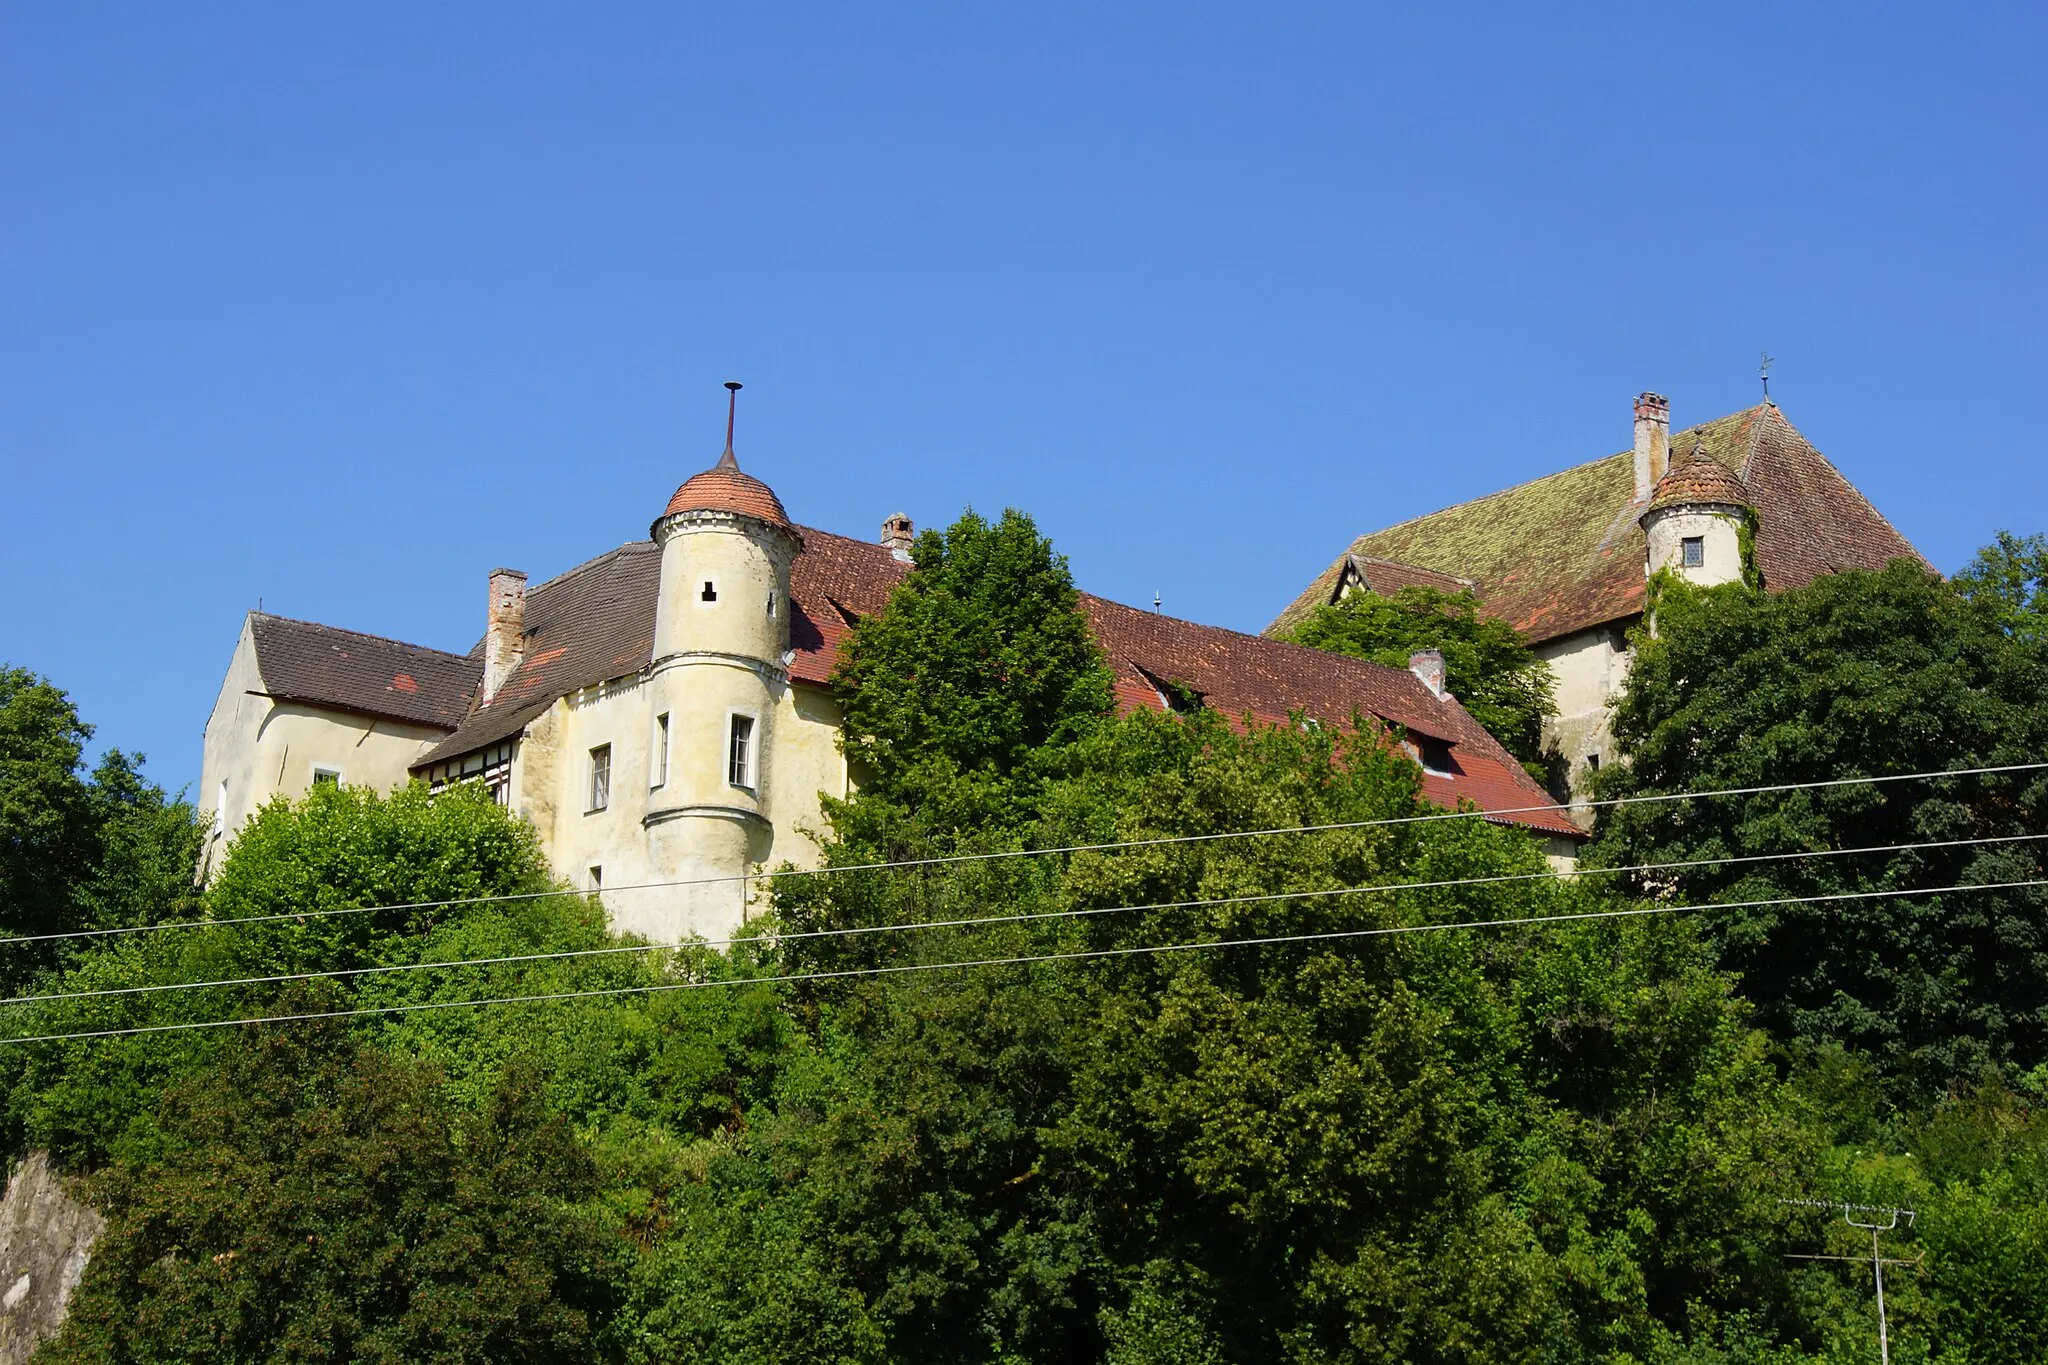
(600, 777)
(771, 606)
(710, 593)
(739, 763)
(1592, 763)
(596, 877)
(658, 765)
(1692, 551)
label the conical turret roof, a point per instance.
(726, 488)
(1698, 479)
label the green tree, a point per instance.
(2011, 576)
(316, 1200)
(1859, 674)
(1486, 663)
(975, 677)
(79, 851)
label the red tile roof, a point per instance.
(596, 622)
(723, 488)
(1698, 480)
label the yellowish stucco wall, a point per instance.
(1591, 667)
(1719, 532)
(258, 748)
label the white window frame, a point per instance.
(657, 760)
(742, 751)
(320, 769)
(598, 798)
(220, 808)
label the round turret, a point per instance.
(1693, 524)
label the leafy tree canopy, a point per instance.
(1486, 663)
(966, 689)
(1859, 674)
(2010, 575)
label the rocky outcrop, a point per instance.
(45, 1236)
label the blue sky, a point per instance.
(339, 307)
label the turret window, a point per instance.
(710, 593)
(1692, 551)
(739, 763)
(658, 764)
(771, 606)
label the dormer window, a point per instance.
(1435, 756)
(1692, 551)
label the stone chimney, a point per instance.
(1653, 441)
(1428, 665)
(504, 630)
(897, 534)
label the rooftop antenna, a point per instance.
(1763, 372)
(732, 407)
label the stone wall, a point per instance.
(45, 1236)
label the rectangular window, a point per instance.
(657, 765)
(600, 777)
(596, 877)
(1692, 551)
(220, 809)
(739, 768)
(326, 777)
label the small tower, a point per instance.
(1694, 522)
(718, 673)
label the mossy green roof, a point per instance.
(1565, 552)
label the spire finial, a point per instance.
(1763, 372)
(732, 406)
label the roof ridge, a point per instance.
(1266, 640)
(359, 634)
(637, 546)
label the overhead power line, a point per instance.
(1007, 854)
(987, 920)
(1016, 960)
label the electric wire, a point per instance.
(984, 920)
(777, 873)
(1078, 955)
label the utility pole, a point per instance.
(1877, 1220)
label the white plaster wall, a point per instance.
(1719, 528)
(263, 748)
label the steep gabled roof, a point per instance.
(344, 670)
(596, 622)
(1564, 552)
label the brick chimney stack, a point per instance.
(504, 630)
(1428, 665)
(1653, 441)
(897, 534)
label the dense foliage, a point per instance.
(79, 850)
(1315, 1129)
(1487, 665)
(1859, 674)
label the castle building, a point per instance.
(1567, 559)
(664, 714)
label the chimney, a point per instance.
(897, 534)
(1428, 665)
(504, 630)
(1653, 441)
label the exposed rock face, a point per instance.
(45, 1236)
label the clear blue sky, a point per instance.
(340, 306)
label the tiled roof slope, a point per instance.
(319, 665)
(596, 622)
(593, 623)
(1564, 552)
